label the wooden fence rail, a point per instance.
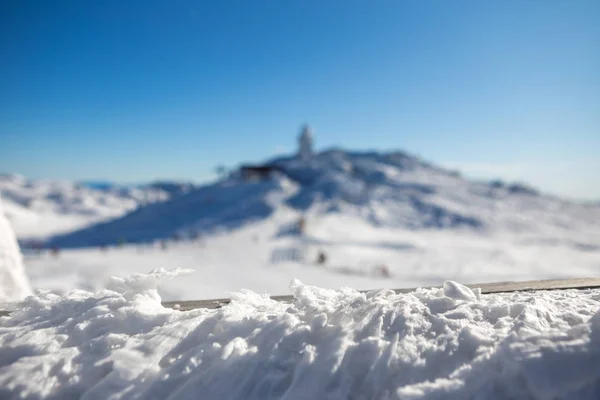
(486, 288)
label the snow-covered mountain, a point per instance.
(385, 190)
(38, 208)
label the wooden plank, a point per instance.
(549, 284)
(486, 288)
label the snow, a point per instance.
(14, 284)
(265, 255)
(384, 220)
(429, 344)
(39, 208)
(457, 291)
(225, 204)
(386, 190)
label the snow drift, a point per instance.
(13, 281)
(450, 343)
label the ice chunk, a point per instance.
(144, 284)
(457, 291)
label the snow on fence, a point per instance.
(486, 288)
(450, 343)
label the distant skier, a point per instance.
(321, 258)
(55, 251)
(302, 226)
(382, 271)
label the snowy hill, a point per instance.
(38, 208)
(393, 190)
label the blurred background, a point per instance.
(344, 143)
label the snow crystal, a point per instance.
(428, 344)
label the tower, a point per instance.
(305, 142)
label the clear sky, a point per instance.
(137, 90)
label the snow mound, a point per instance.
(14, 284)
(326, 344)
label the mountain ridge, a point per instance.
(41, 207)
(385, 188)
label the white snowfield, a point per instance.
(38, 208)
(14, 284)
(450, 343)
(258, 257)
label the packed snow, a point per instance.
(39, 208)
(14, 284)
(450, 343)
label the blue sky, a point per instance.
(137, 90)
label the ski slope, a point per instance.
(264, 256)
